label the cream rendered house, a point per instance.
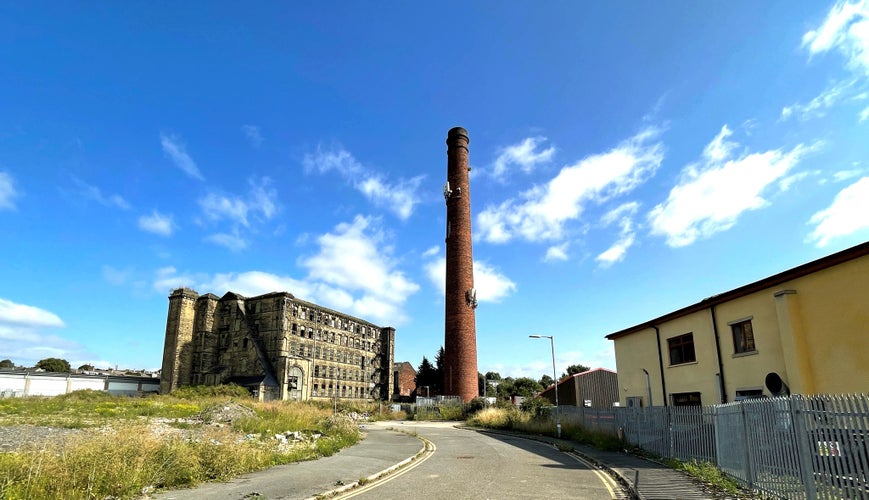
(802, 331)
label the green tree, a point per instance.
(7, 363)
(54, 365)
(546, 381)
(504, 390)
(526, 387)
(440, 363)
(493, 376)
(522, 386)
(574, 369)
(426, 375)
(86, 367)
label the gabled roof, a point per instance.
(814, 266)
(232, 296)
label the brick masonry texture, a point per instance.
(460, 337)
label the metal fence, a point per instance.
(791, 447)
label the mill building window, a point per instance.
(743, 337)
(681, 349)
(685, 399)
(749, 394)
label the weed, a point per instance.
(565, 447)
(125, 457)
(708, 473)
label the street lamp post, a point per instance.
(554, 380)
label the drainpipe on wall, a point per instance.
(648, 386)
(661, 366)
(721, 388)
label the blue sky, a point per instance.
(629, 159)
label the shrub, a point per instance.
(475, 405)
(200, 391)
(537, 406)
(499, 418)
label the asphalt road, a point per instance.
(471, 465)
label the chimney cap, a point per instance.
(457, 132)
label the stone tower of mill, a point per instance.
(460, 331)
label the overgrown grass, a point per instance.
(88, 408)
(499, 418)
(708, 473)
(123, 457)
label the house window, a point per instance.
(749, 394)
(682, 349)
(686, 399)
(743, 337)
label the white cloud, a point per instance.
(556, 252)
(399, 198)
(616, 252)
(233, 241)
(259, 205)
(253, 135)
(542, 212)
(818, 106)
(524, 154)
(786, 182)
(252, 283)
(356, 257)
(864, 115)
(846, 29)
(168, 279)
(28, 316)
(491, 284)
(174, 149)
(711, 196)
(352, 271)
(23, 336)
(94, 193)
(157, 223)
(623, 216)
(846, 215)
(8, 193)
(720, 148)
(844, 175)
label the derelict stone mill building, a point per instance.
(276, 345)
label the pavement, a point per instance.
(385, 450)
(645, 479)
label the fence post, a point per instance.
(671, 443)
(749, 465)
(804, 447)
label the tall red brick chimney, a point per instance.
(460, 331)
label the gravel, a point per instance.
(14, 436)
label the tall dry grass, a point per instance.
(120, 455)
(511, 418)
